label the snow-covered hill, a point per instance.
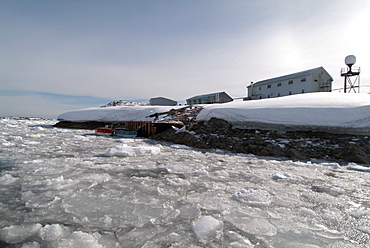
(318, 111)
(312, 111)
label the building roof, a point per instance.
(162, 98)
(207, 95)
(289, 76)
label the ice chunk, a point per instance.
(360, 212)
(208, 229)
(307, 212)
(333, 165)
(251, 225)
(138, 236)
(189, 212)
(53, 232)
(177, 182)
(177, 146)
(253, 197)
(279, 175)
(78, 239)
(31, 245)
(238, 241)
(7, 179)
(353, 166)
(129, 151)
(17, 233)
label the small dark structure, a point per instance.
(219, 97)
(162, 101)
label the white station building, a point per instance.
(313, 80)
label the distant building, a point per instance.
(161, 101)
(219, 97)
(314, 80)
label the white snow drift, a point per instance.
(324, 111)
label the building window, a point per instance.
(269, 86)
(259, 88)
(303, 79)
(290, 82)
(279, 84)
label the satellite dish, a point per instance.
(350, 60)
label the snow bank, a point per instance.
(114, 113)
(324, 109)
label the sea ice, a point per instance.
(7, 179)
(78, 239)
(208, 229)
(353, 166)
(251, 225)
(53, 232)
(307, 212)
(129, 151)
(31, 245)
(157, 201)
(17, 233)
(253, 197)
(279, 175)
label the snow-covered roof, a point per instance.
(289, 76)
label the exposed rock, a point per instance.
(295, 154)
(81, 125)
(298, 145)
(302, 145)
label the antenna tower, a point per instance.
(348, 74)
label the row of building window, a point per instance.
(279, 84)
(290, 92)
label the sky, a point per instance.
(57, 56)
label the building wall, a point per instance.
(221, 97)
(161, 101)
(295, 84)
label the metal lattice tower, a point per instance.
(351, 73)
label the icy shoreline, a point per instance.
(71, 188)
(299, 118)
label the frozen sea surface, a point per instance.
(70, 188)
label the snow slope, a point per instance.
(314, 111)
(114, 113)
(324, 111)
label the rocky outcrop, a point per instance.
(296, 145)
(82, 125)
(299, 145)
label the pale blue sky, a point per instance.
(98, 51)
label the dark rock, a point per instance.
(357, 155)
(82, 125)
(298, 145)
